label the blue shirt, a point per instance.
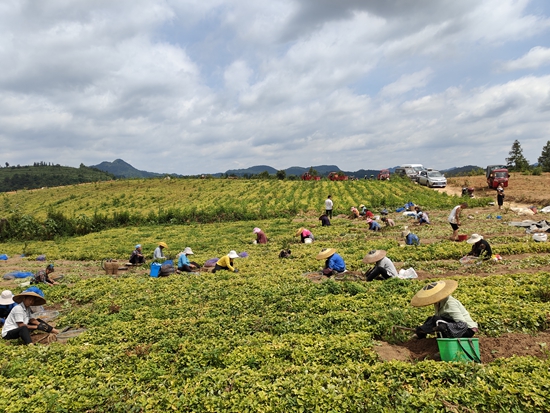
(374, 226)
(412, 239)
(336, 263)
(183, 260)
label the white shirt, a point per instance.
(452, 215)
(18, 314)
(328, 204)
(158, 253)
(388, 265)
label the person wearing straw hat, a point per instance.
(383, 266)
(6, 305)
(354, 212)
(305, 235)
(19, 323)
(158, 254)
(260, 236)
(137, 256)
(226, 262)
(451, 319)
(43, 276)
(183, 261)
(334, 263)
(480, 247)
(410, 238)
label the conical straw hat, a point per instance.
(434, 292)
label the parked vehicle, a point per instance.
(497, 176)
(337, 176)
(432, 179)
(406, 172)
(306, 176)
(384, 175)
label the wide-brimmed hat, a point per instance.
(233, 254)
(300, 231)
(6, 298)
(434, 292)
(361, 206)
(188, 251)
(405, 232)
(374, 256)
(163, 245)
(21, 296)
(256, 230)
(325, 253)
(474, 238)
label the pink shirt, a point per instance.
(306, 233)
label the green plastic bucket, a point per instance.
(459, 349)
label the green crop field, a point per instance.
(265, 339)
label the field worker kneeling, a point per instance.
(19, 323)
(183, 261)
(383, 266)
(388, 221)
(158, 254)
(410, 238)
(334, 263)
(451, 319)
(373, 225)
(480, 247)
(260, 236)
(43, 276)
(305, 235)
(226, 262)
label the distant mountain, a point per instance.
(121, 169)
(253, 170)
(460, 171)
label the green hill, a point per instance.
(122, 169)
(41, 175)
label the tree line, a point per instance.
(516, 161)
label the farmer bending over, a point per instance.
(480, 247)
(183, 261)
(451, 319)
(226, 262)
(43, 276)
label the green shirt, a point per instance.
(450, 307)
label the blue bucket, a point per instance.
(155, 269)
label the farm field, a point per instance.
(268, 338)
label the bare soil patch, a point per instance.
(490, 348)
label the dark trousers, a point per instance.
(219, 267)
(377, 273)
(187, 268)
(22, 332)
(328, 212)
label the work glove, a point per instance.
(44, 327)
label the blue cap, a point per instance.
(35, 290)
(138, 246)
(499, 217)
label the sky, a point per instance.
(203, 86)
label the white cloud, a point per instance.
(536, 57)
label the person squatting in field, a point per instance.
(383, 266)
(260, 236)
(183, 261)
(334, 263)
(451, 319)
(305, 235)
(19, 322)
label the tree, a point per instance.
(7, 165)
(544, 158)
(516, 161)
(313, 172)
(281, 174)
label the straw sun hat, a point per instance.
(37, 299)
(406, 231)
(433, 293)
(299, 231)
(256, 230)
(163, 245)
(474, 238)
(374, 256)
(188, 251)
(325, 253)
(233, 254)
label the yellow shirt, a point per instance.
(226, 262)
